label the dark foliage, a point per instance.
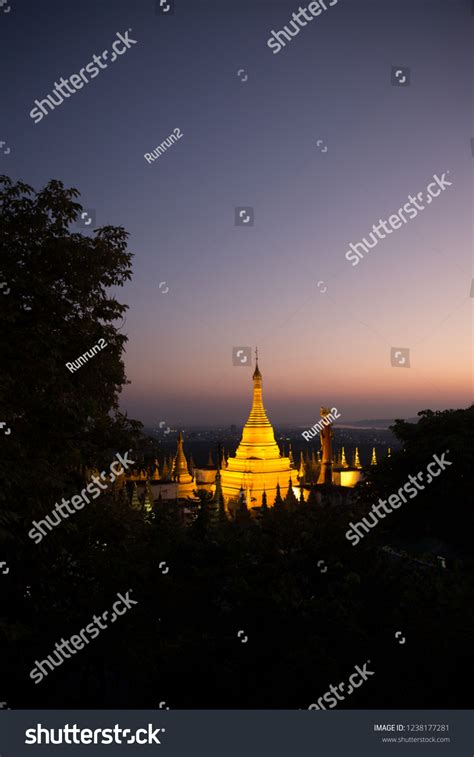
(311, 605)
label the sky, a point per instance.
(318, 141)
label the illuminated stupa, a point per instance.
(181, 474)
(258, 466)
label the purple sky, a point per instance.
(254, 143)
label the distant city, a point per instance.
(200, 440)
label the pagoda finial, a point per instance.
(290, 457)
(256, 373)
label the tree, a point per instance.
(203, 518)
(58, 307)
(442, 508)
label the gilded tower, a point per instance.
(258, 465)
(326, 435)
(180, 472)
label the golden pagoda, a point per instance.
(357, 463)
(180, 472)
(258, 465)
(344, 462)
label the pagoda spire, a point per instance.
(218, 503)
(357, 463)
(218, 496)
(258, 438)
(343, 459)
(149, 498)
(290, 456)
(180, 463)
(258, 459)
(256, 373)
(290, 498)
(223, 460)
(278, 500)
(374, 457)
(302, 470)
(135, 503)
